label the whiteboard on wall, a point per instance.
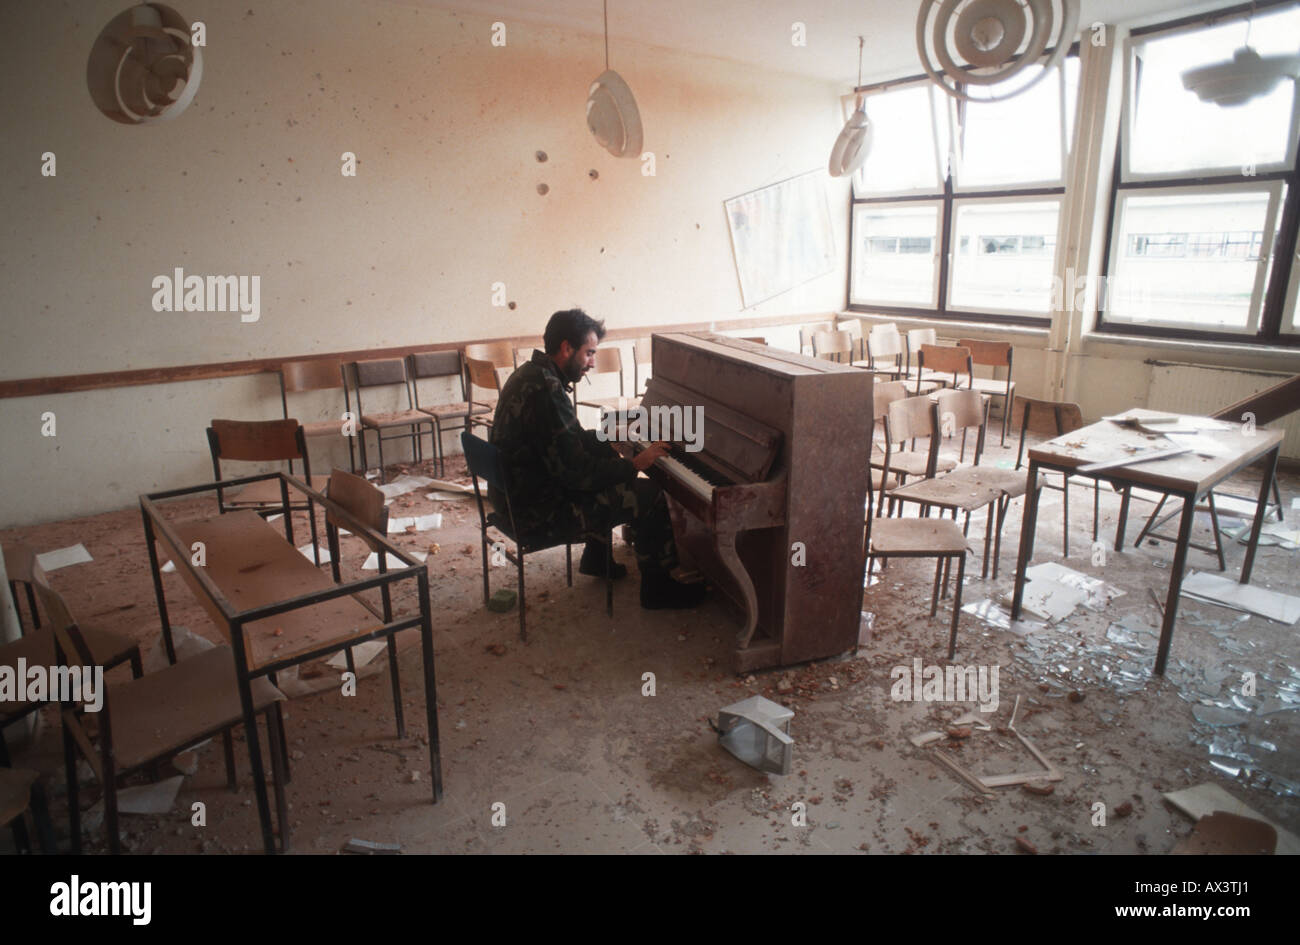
(781, 236)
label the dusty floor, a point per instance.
(557, 730)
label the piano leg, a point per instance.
(731, 561)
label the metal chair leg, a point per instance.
(934, 597)
(956, 606)
(523, 601)
(393, 673)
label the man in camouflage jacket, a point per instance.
(565, 483)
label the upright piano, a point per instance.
(771, 508)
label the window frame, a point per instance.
(947, 196)
(936, 253)
(1274, 293)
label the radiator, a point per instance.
(1200, 389)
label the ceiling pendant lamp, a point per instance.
(1245, 76)
(991, 41)
(612, 114)
(143, 66)
(854, 143)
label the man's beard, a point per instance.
(573, 368)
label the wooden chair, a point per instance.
(808, 337)
(502, 354)
(153, 718)
(20, 560)
(854, 327)
(21, 791)
(1053, 418)
(938, 538)
(483, 375)
(484, 461)
(365, 502)
(993, 354)
(943, 361)
(969, 488)
(608, 361)
(390, 373)
(834, 346)
(907, 419)
(913, 341)
(319, 374)
(641, 364)
(260, 441)
(524, 353)
(451, 416)
(887, 356)
(37, 648)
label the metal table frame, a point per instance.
(158, 529)
(1265, 445)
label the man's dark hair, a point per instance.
(572, 326)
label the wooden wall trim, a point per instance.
(70, 383)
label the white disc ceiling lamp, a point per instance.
(1245, 76)
(973, 43)
(612, 115)
(854, 143)
(143, 66)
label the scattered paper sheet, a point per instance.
(62, 557)
(168, 568)
(404, 484)
(449, 496)
(156, 798)
(446, 486)
(274, 518)
(1228, 593)
(1198, 442)
(362, 654)
(1051, 601)
(1274, 533)
(1098, 591)
(422, 523)
(306, 553)
(393, 564)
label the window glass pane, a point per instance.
(894, 254)
(902, 156)
(1017, 141)
(1174, 131)
(1004, 256)
(1189, 259)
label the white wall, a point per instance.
(247, 182)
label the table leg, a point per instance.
(1123, 516)
(430, 686)
(1270, 479)
(251, 736)
(1175, 582)
(1027, 526)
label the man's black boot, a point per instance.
(594, 560)
(660, 592)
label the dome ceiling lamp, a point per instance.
(612, 115)
(991, 41)
(143, 66)
(1247, 75)
(854, 143)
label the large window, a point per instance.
(955, 211)
(1197, 246)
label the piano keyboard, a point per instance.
(686, 476)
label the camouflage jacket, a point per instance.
(550, 459)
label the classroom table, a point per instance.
(1189, 476)
(277, 608)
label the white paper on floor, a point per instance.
(168, 568)
(446, 486)
(450, 496)
(992, 614)
(324, 554)
(274, 518)
(362, 654)
(62, 557)
(393, 564)
(156, 798)
(1098, 592)
(1228, 593)
(1234, 505)
(422, 523)
(404, 484)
